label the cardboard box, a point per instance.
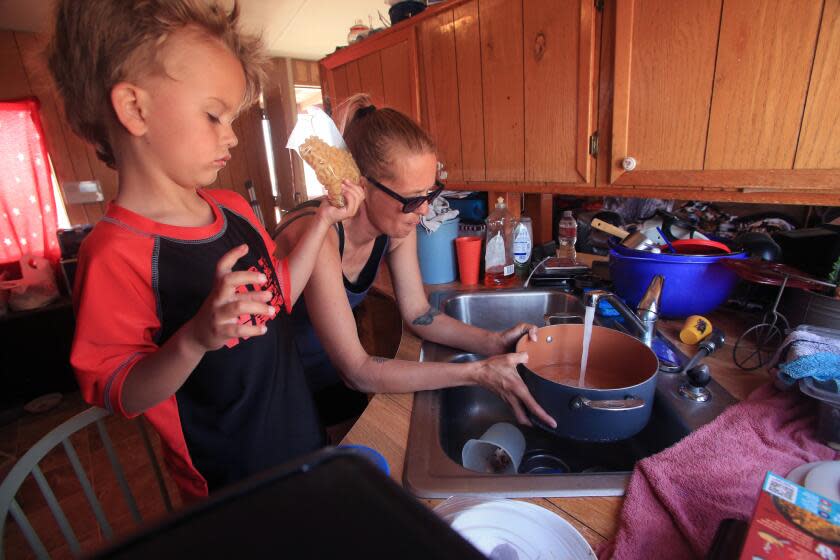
(791, 522)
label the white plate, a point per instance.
(824, 479)
(528, 530)
(797, 474)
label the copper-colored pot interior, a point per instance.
(615, 360)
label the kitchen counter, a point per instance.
(384, 424)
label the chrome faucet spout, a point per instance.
(649, 304)
(647, 312)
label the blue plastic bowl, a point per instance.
(694, 285)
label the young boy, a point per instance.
(181, 306)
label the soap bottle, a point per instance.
(498, 254)
(523, 242)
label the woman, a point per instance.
(398, 164)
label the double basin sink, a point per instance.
(442, 421)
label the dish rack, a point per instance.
(828, 414)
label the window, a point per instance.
(28, 212)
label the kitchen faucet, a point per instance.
(646, 313)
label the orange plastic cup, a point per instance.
(469, 256)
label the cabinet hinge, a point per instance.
(599, 5)
(593, 144)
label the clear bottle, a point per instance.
(567, 237)
(523, 242)
(498, 254)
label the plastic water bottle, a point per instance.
(567, 236)
(498, 253)
(522, 245)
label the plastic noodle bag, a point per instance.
(317, 140)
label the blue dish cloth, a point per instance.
(823, 367)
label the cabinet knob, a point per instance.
(628, 163)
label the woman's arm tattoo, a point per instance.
(426, 318)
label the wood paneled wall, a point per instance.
(24, 74)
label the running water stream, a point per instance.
(587, 335)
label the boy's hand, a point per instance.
(218, 319)
(353, 196)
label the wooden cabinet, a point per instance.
(725, 94)
(508, 89)
(708, 99)
(384, 67)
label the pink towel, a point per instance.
(677, 498)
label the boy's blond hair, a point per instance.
(99, 43)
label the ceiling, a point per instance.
(307, 29)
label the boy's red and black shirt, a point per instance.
(246, 406)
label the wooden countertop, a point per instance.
(384, 424)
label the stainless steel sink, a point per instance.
(443, 421)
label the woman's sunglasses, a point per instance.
(409, 204)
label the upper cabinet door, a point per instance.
(440, 91)
(664, 72)
(819, 140)
(370, 71)
(385, 68)
(400, 71)
(763, 66)
(340, 88)
(502, 78)
(726, 94)
(559, 67)
(508, 89)
(451, 89)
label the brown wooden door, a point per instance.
(354, 79)
(819, 140)
(340, 90)
(450, 49)
(370, 71)
(508, 91)
(661, 109)
(384, 67)
(400, 75)
(440, 90)
(470, 90)
(726, 94)
(502, 79)
(761, 80)
(559, 67)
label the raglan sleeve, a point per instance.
(116, 317)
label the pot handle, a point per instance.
(617, 404)
(562, 319)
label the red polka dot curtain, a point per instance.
(28, 221)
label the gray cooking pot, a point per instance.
(620, 366)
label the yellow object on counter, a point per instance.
(695, 329)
